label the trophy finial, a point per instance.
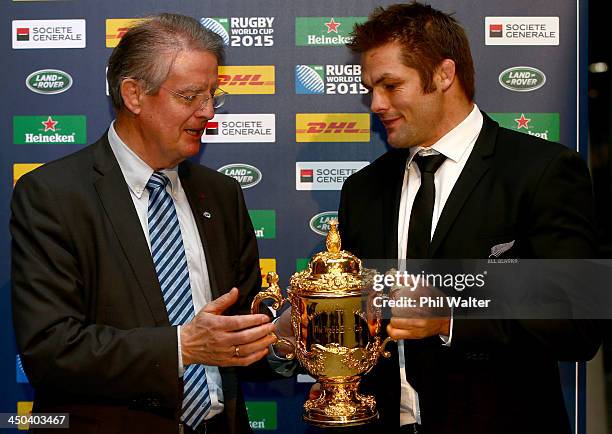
(272, 278)
(332, 242)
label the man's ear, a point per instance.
(445, 74)
(132, 92)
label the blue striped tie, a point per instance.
(170, 262)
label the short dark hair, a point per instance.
(148, 49)
(427, 37)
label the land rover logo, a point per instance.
(245, 174)
(522, 78)
(320, 222)
(49, 81)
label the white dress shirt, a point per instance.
(137, 173)
(456, 145)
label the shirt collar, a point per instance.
(454, 143)
(135, 171)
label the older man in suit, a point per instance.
(133, 268)
(455, 185)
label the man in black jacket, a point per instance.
(457, 186)
(133, 269)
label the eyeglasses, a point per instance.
(199, 100)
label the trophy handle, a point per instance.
(273, 292)
(383, 352)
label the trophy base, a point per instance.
(340, 404)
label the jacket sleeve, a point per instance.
(64, 352)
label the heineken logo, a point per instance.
(323, 31)
(320, 223)
(522, 78)
(246, 175)
(262, 415)
(53, 129)
(264, 223)
(49, 81)
(543, 125)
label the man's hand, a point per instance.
(418, 328)
(420, 321)
(217, 340)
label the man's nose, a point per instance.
(379, 102)
(206, 111)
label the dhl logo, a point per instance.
(266, 265)
(332, 127)
(116, 28)
(247, 80)
(20, 169)
(24, 408)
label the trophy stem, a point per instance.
(340, 404)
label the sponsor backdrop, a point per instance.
(296, 124)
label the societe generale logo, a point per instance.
(32, 34)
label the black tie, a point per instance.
(419, 232)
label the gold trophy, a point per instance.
(337, 338)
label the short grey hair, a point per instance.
(148, 50)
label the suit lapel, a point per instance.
(393, 179)
(115, 197)
(202, 206)
(471, 174)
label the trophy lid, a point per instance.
(333, 272)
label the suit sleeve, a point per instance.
(559, 224)
(248, 271)
(64, 353)
(249, 282)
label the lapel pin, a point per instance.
(207, 214)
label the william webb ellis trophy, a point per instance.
(337, 338)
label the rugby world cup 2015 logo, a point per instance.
(309, 79)
(218, 25)
(328, 79)
(242, 31)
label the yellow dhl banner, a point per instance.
(247, 80)
(266, 265)
(20, 169)
(332, 127)
(116, 28)
(24, 408)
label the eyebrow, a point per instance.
(385, 76)
(198, 89)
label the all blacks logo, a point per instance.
(246, 175)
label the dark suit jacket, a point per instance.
(497, 376)
(89, 316)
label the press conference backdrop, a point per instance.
(296, 124)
